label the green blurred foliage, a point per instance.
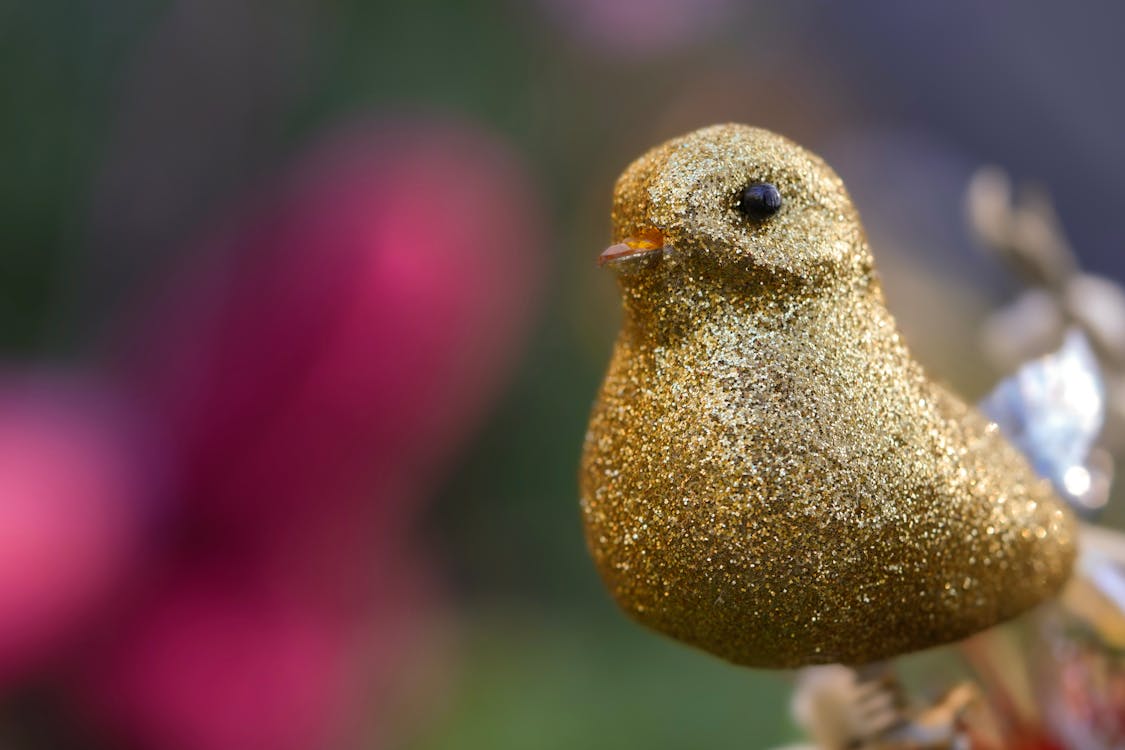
(558, 681)
(59, 65)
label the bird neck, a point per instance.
(662, 308)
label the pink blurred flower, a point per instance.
(357, 324)
(72, 507)
(213, 665)
(314, 370)
(221, 661)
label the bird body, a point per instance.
(768, 473)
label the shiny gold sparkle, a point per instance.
(768, 474)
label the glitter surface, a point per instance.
(768, 474)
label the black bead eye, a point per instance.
(759, 200)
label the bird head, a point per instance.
(732, 201)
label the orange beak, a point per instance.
(643, 242)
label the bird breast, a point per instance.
(784, 486)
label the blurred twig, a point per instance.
(1021, 228)
(867, 709)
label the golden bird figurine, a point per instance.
(768, 474)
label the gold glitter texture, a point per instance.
(768, 474)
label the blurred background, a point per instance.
(300, 325)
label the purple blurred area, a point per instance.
(300, 324)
